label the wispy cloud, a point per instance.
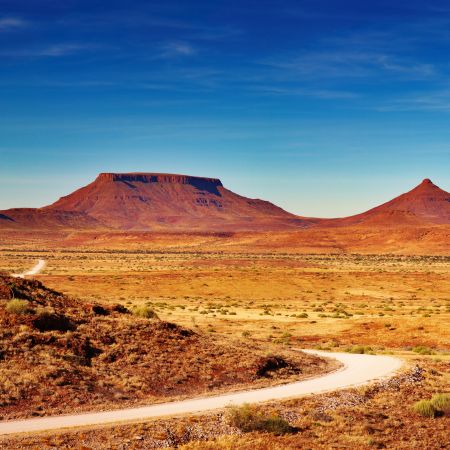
(153, 19)
(11, 23)
(437, 100)
(326, 64)
(324, 94)
(60, 50)
(177, 49)
(49, 51)
(411, 68)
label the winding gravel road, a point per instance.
(357, 370)
(34, 271)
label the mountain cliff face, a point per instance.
(425, 204)
(151, 201)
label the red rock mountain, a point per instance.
(165, 202)
(152, 201)
(425, 204)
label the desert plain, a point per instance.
(279, 302)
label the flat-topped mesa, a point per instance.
(163, 201)
(143, 177)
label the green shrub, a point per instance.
(421, 350)
(425, 408)
(276, 425)
(439, 405)
(441, 402)
(18, 307)
(360, 349)
(247, 418)
(145, 311)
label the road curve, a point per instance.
(357, 370)
(34, 271)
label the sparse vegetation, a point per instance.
(360, 349)
(421, 350)
(248, 418)
(341, 294)
(145, 311)
(441, 402)
(437, 406)
(425, 408)
(17, 306)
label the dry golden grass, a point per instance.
(387, 302)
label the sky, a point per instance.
(326, 108)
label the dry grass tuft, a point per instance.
(248, 418)
(17, 306)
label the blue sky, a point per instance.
(325, 108)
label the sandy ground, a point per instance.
(357, 370)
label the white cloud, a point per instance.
(324, 94)
(59, 50)
(50, 51)
(177, 49)
(338, 63)
(11, 23)
(438, 100)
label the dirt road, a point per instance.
(34, 271)
(357, 370)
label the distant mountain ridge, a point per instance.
(169, 202)
(155, 202)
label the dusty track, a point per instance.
(34, 271)
(357, 370)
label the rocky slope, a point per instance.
(59, 354)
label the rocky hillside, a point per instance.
(58, 354)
